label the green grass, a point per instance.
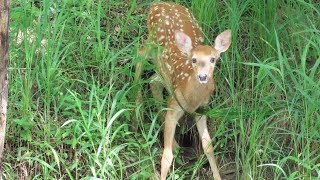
(72, 102)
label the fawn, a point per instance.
(185, 68)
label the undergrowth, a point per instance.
(72, 102)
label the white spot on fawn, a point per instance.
(169, 67)
(161, 38)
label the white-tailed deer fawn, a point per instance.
(185, 69)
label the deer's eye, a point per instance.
(212, 60)
(194, 60)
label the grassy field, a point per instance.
(72, 98)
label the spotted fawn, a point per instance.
(185, 68)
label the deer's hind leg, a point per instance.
(156, 87)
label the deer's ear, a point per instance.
(183, 42)
(223, 41)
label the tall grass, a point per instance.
(72, 107)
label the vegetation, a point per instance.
(72, 98)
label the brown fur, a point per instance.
(186, 69)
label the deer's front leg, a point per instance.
(156, 87)
(206, 144)
(170, 123)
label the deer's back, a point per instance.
(166, 18)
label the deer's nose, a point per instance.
(203, 77)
